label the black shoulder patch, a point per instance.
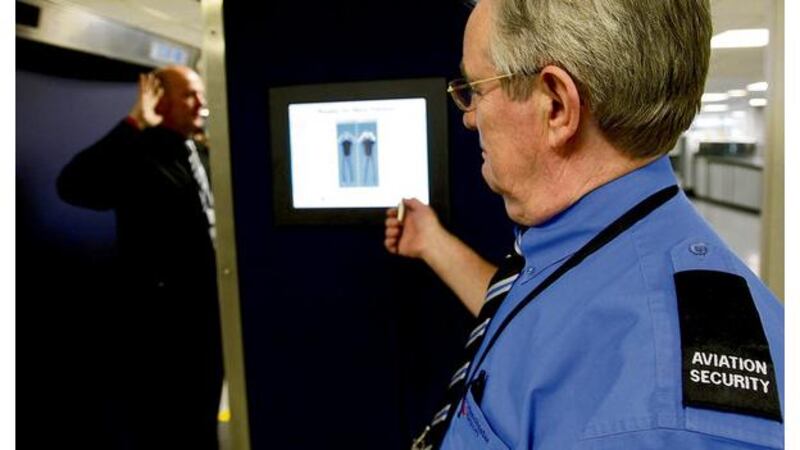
(726, 360)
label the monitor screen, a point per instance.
(358, 154)
(343, 153)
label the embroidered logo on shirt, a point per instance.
(730, 371)
(726, 359)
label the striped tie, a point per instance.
(206, 198)
(499, 286)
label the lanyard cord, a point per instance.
(627, 220)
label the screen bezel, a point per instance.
(433, 90)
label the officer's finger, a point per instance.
(392, 223)
(390, 244)
(413, 203)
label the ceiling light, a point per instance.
(738, 114)
(758, 102)
(753, 37)
(702, 121)
(737, 93)
(713, 97)
(715, 108)
(757, 87)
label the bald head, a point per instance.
(183, 99)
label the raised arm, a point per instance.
(421, 235)
(94, 177)
(143, 112)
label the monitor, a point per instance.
(343, 153)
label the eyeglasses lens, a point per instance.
(462, 94)
(465, 96)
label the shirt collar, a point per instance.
(559, 237)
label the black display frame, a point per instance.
(433, 90)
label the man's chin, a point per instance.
(514, 213)
(489, 180)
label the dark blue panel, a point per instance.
(64, 309)
(345, 345)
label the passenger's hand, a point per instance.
(416, 234)
(144, 110)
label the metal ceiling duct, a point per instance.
(79, 29)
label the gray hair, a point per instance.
(640, 65)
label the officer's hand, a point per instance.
(144, 110)
(416, 233)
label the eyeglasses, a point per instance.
(463, 91)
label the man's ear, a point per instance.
(564, 114)
(161, 106)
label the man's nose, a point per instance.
(469, 120)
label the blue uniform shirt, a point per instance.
(594, 362)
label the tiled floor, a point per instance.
(740, 230)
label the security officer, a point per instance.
(620, 320)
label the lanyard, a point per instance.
(625, 221)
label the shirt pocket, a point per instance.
(470, 429)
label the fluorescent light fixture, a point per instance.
(702, 121)
(758, 102)
(738, 114)
(752, 37)
(757, 87)
(737, 93)
(713, 97)
(715, 108)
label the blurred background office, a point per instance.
(310, 364)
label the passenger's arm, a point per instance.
(421, 235)
(97, 175)
(143, 113)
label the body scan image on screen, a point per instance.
(358, 154)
